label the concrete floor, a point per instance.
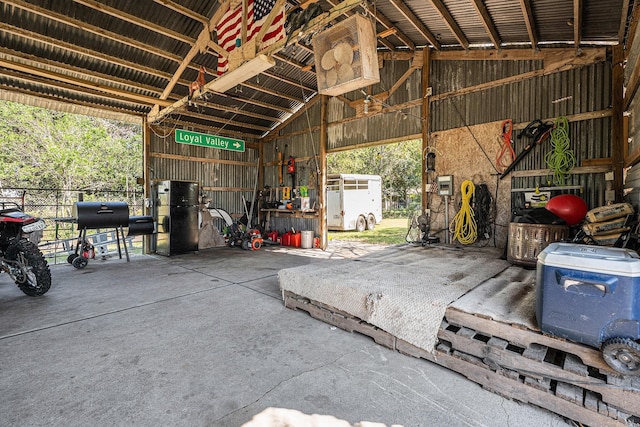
(204, 340)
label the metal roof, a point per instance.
(119, 55)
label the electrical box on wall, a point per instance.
(346, 57)
(445, 185)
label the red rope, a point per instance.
(506, 148)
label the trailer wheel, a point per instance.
(623, 355)
(371, 222)
(361, 224)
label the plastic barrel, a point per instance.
(306, 239)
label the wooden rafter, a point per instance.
(70, 88)
(623, 21)
(290, 82)
(98, 78)
(263, 89)
(182, 10)
(118, 93)
(223, 121)
(386, 43)
(413, 19)
(38, 94)
(87, 53)
(451, 23)
(266, 105)
(95, 30)
(132, 19)
(238, 111)
(577, 23)
(527, 14)
(200, 45)
(487, 22)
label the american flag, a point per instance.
(230, 26)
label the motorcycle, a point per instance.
(19, 254)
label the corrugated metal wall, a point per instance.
(632, 181)
(239, 172)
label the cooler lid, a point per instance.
(600, 259)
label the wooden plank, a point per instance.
(535, 352)
(524, 393)
(525, 338)
(569, 392)
(573, 364)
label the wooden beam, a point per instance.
(273, 135)
(617, 105)
(413, 20)
(36, 71)
(623, 21)
(577, 23)
(98, 78)
(425, 114)
(556, 64)
(182, 10)
(263, 89)
(81, 51)
(59, 99)
(200, 45)
(527, 14)
(194, 125)
(487, 22)
(451, 23)
(575, 171)
(224, 122)
(322, 194)
(211, 160)
(257, 103)
(76, 23)
(634, 79)
(238, 111)
(132, 19)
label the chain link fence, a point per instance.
(55, 207)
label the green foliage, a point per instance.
(399, 165)
(50, 149)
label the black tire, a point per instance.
(71, 257)
(79, 262)
(35, 277)
(371, 222)
(622, 355)
(361, 224)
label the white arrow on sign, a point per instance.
(236, 144)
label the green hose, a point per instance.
(561, 158)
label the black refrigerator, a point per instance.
(176, 211)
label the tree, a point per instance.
(51, 149)
(399, 165)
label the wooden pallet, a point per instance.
(569, 379)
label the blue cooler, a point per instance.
(588, 294)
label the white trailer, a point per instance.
(354, 202)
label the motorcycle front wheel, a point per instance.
(34, 276)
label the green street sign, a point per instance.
(211, 141)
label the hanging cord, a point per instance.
(561, 158)
(506, 148)
(483, 204)
(463, 226)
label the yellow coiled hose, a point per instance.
(463, 226)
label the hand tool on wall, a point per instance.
(535, 130)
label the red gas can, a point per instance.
(296, 240)
(285, 240)
(273, 236)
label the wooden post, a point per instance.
(322, 187)
(426, 66)
(617, 134)
(146, 174)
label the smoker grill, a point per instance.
(94, 215)
(140, 225)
